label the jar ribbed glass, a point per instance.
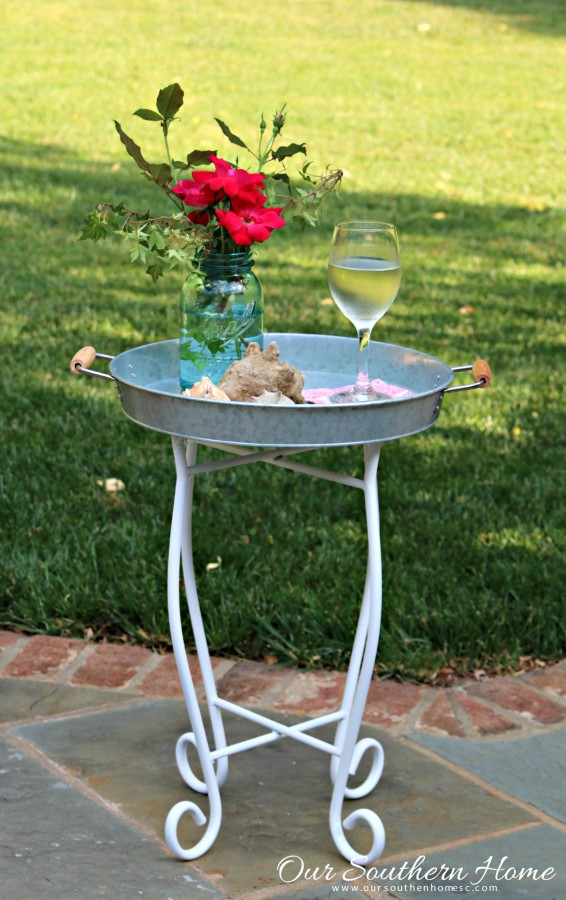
(221, 313)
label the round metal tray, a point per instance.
(148, 379)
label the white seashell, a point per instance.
(275, 398)
(207, 389)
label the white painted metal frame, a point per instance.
(346, 752)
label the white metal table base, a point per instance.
(346, 752)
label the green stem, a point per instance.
(327, 184)
(178, 203)
(258, 157)
(264, 157)
(170, 160)
(173, 197)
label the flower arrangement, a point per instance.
(223, 209)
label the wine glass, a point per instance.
(364, 274)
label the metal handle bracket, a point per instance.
(481, 373)
(81, 365)
(82, 361)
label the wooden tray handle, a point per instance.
(481, 371)
(83, 358)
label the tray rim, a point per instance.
(269, 336)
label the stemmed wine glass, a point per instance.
(364, 274)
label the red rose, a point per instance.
(247, 221)
(250, 224)
(199, 217)
(193, 194)
(226, 180)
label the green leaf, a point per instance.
(180, 255)
(132, 148)
(138, 252)
(199, 158)
(159, 172)
(233, 138)
(304, 219)
(300, 222)
(170, 101)
(93, 229)
(290, 150)
(281, 176)
(149, 114)
(155, 270)
(305, 173)
(157, 241)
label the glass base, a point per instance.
(353, 396)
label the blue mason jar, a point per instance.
(221, 313)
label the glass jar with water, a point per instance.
(221, 313)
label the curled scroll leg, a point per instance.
(363, 817)
(208, 838)
(352, 750)
(373, 776)
(209, 786)
(181, 756)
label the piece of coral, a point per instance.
(262, 371)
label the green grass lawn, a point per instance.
(448, 119)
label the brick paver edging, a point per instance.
(511, 705)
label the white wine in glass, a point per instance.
(364, 274)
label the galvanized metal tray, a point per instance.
(148, 380)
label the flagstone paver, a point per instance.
(532, 768)
(104, 718)
(57, 843)
(275, 800)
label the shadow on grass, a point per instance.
(505, 258)
(472, 567)
(539, 16)
(469, 514)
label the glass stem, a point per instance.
(362, 385)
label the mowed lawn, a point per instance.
(447, 119)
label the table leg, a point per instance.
(346, 751)
(355, 694)
(180, 545)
